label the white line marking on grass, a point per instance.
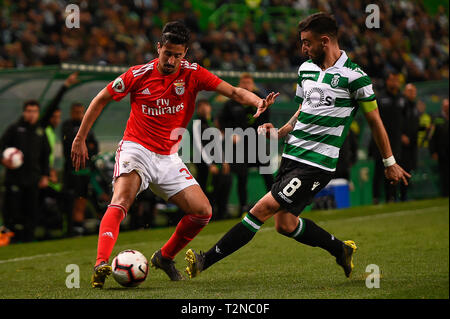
(373, 216)
(393, 214)
(271, 228)
(32, 257)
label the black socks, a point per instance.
(309, 233)
(234, 239)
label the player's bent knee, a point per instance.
(123, 199)
(283, 229)
(121, 202)
(205, 210)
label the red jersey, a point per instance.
(160, 103)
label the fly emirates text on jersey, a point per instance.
(163, 108)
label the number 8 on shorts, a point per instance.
(292, 186)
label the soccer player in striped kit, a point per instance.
(162, 95)
(330, 89)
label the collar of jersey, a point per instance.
(338, 64)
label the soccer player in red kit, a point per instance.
(162, 94)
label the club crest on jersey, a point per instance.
(118, 85)
(179, 87)
(335, 80)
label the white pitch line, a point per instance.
(357, 218)
(32, 257)
(374, 216)
(393, 214)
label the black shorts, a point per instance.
(297, 183)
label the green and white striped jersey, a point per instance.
(329, 101)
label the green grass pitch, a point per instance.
(409, 242)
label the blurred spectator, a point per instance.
(234, 115)
(22, 185)
(214, 178)
(48, 121)
(348, 154)
(391, 104)
(51, 116)
(76, 183)
(439, 146)
(411, 41)
(51, 199)
(410, 129)
(423, 135)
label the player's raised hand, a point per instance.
(265, 103)
(268, 130)
(79, 154)
(395, 173)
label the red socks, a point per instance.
(188, 227)
(109, 230)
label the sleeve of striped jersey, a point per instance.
(299, 95)
(299, 91)
(361, 88)
(122, 85)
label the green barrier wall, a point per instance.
(42, 83)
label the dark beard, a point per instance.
(318, 60)
(168, 71)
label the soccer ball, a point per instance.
(15, 155)
(130, 268)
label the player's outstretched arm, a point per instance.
(269, 130)
(246, 97)
(394, 172)
(79, 150)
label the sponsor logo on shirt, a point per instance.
(315, 185)
(146, 91)
(155, 111)
(284, 197)
(316, 97)
(309, 75)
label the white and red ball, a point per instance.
(14, 155)
(130, 268)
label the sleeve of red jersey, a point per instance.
(206, 80)
(122, 85)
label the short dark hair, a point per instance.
(388, 74)
(30, 102)
(76, 104)
(319, 23)
(175, 32)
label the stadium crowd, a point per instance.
(409, 41)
